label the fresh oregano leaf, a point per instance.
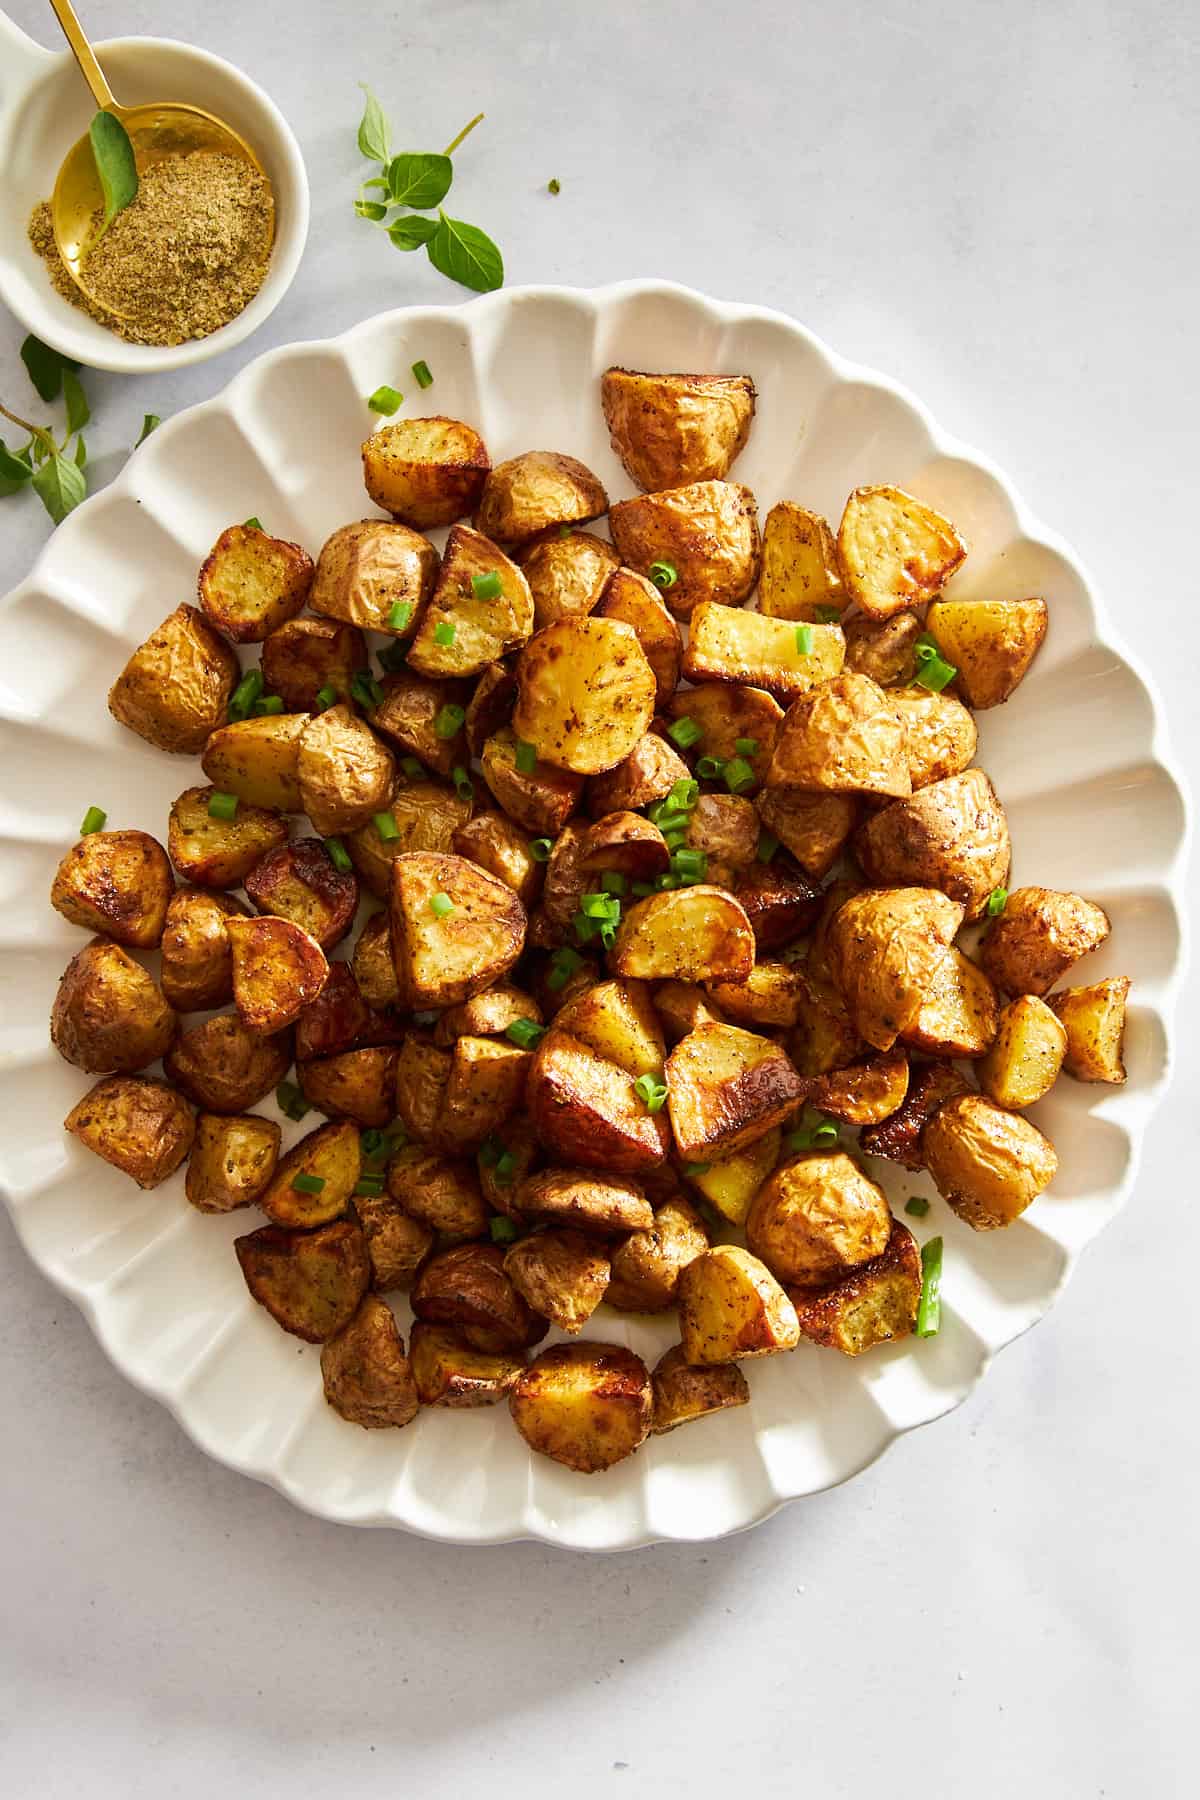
(150, 422)
(60, 485)
(420, 180)
(80, 452)
(114, 165)
(78, 410)
(15, 471)
(45, 367)
(370, 209)
(375, 181)
(373, 131)
(411, 232)
(466, 254)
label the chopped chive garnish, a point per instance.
(613, 882)
(338, 855)
(935, 674)
(371, 1141)
(366, 690)
(393, 658)
(387, 827)
(421, 375)
(526, 757)
(997, 900)
(412, 767)
(663, 574)
(93, 820)
(525, 1033)
(399, 615)
(916, 1207)
(444, 633)
(643, 889)
(608, 933)
(308, 1184)
(254, 523)
(441, 905)
(651, 1093)
(829, 615)
(369, 1184)
(738, 775)
(506, 1167)
(817, 1133)
(503, 1230)
(222, 806)
(268, 706)
(245, 694)
(326, 697)
(385, 400)
(804, 639)
(563, 965)
(685, 732)
(926, 647)
(768, 844)
(394, 1138)
(540, 849)
(665, 884)
(291, 1101)
(600, 906)
(710, 768)
(464, 787)
(490, 1152)
(929, 1311)
(690, 865)
(696, 1168)
(449, 721)
(554, 185)
(487, 587)
(746, 746)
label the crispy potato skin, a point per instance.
(142, 1127)
(396, 1243)
(628, 844)
(597, 1203)
(1094, 1020)
(534, 493)
(885, 947)
(109, 1015)
(560, 1274)
(441, 1191)
(647, 774)
(426, 815)
(825, 1038)
(484, 629)
(299, 882)
(773, 994)
(486, 1087)
(865, 1093)
(800, 574)
(884, 649)
(306, 655)
(277, 970)
(311, 1282)
(634, 601)
(366, 569)
(330, 1154)
(585, 694)
(232, 1161)
(617, 1020)
(467, 1286)
(541, 801)
(646, 1265)
(586, 1406)
(940, 737)
(421, 1076)
(671, 430)
(727, 1087)
(682, 1393)
(727, 644)
(708, 532)
(409, 714)
(952, 835)
(197, 958)
(442, 961)
(175, 688)
(729, 1183)
(960, 1011)
(699, 933)
(1026, 1055)
(1040, 935)
(813, 828)
(358, 1084)
(725, 827)
(502, 849)
(898, 1137)
(118, 883)
(987, 1164)
(251, 584)
(874, 1304)
(490, 706)
(425, 472)
(725, 711)
(219, 853)
(449, 1371)
(225, 1068)
(844, 738)
(894, 551)
(990, 642)
(780, 903)
(256, 759)
(566, 574)
(731, 1306)
(372, 964)
(487, 1015)
(366, 1375)
(345, 773)
(585, 1111)
(816, 1218)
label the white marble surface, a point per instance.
(996, 205)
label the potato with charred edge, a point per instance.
(585, 694)
(358, 1084)
(455, 929)
(874, 1304)
(396, 1243)
(584, 1109)
(176, 687)
(586, 1406)
(485, 1088)
(118, 883)
(627, 844)
(812, 827)
(817, 1218)
(845, 738)
(491, 840)
(232, 1161)
(463, 630)
(960, 1011)
(683, 1393)
(618, 1021)
(646, 1265)
(566, 574)
(197, 960)
(772, 994)
(864, 1093)
(698, 933)
(311, 1282)
(598, 1203)
(560, 1274)
(706, 531)
(426, 816)
(372, 964)
(299, 882)
(894, 551)
(314, 1182)
(987, 1164)
(140, 1126)
(375, 575)
(800, 577)
(490, 706)
(220, 853)
(467, 1286)
(256, 760)
(1026, 1054)
(727, 1087)
(885, 948)
(537, 492)
(672, 429)
(990, 642)
(731, 1306)
(780, 903)
(729, 1183)
(487, 1015)
(425, 472)
(884, 649)
(306, 656)
(541, 798)
(647, 774)
(366, 1375)
(952, 835)
(1094, 1020)
(1040, 935)
(418, 717)
(731, 645)
(109, 1015)
(277, 970)
(251, 584)
(344, 772)
(898, 1137)
(224, 1067)
(441, 1191)
(421, 1076)
(682, 1005)
(449, 1371)
(636, 602)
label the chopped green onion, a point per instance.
(245, 694)
(326, 697)
(421, 375)
(600, 906)
(93, 820)
(444, 633)
(663, 574)
(829, 615)
(307, 1184)
(916, 1207)
(738, 775)
(929, 1312)
(412, 767)
(585, 929)
(696, 1168)
(541, 849)
(926, 647)
(997, 900)
(613, 882)
(489, 1152)
(685, 792)
(690, 865)
(710, 768)
(563, 965)
(804, 639)
(385, 400)
(503, 1230)
(338, 855)
(608, 933)
(812, 1136)
(935, 674)
(525, 1033)
(369, 1184)
(399, 615)
(506, 1166)
(268, 706)
(441, 905)
(366, 690)
(768, 844)
(394, 1138)
(746, 746)
(684, 733)
(487, 587)
(464, 787)
(643, 889)
(651, 1093)
(554, 185)
(387, 827)
(291, 1101)
(449, 721)
(371, 1141)
(252, 524)
(393, 658)
(526, 757)
(665, 884)
(222, 806)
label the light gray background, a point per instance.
(995, 204)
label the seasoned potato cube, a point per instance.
(646, 1265)
(672, 429)
(448, 1371)
(1094, 1021)
(727, 1087)
(490, 706)
(566, 574)
(345, 774)
(845, 738)
(585, 1110)
(780, 903)
(772, 994)
(467, 1286)
(864, 1093)
(372, 964)
(894, 551)
(462, 630)
(647, 774)
(176, 687)
(697, 933)
(800, 578)
(884, 649)
(628, 844)
(816, 1218)
(396, 1243)
(874, 1304)
(142, 1127)
(988, 1164)
(109, 1016)
(417, 715)
(256, 759)
(939, 733)
(421, 1076)
(118, 883)
(725, 828)
(251, 584)
(311, 1282)
(731, 1306)
(219, 853)
(425, 472)
(486, 1087)
(306, 656)
(706, 531)
(487, 1015)
(636, 602)
(541, 799)
(560, 1274)
(197, 961)
(585, 694)
(232, 1161)
(593, 1202)
(617, 1020)
(316, 1178)
(502, 849)
(885, 948)
(952, 835)
(990, 642)
(226, 1068)
(1040, 934)
(898, 1137)
(277, 970)
(825, 1039)
(426, 815)
(584, 1405)
(1026, 1055)
(682, 1005)
(375, 575)
(812, 827)
(537, 492)
(960, 1011)
(366, 1375)
(726, 715)
(683, 1393)
(455, 929)
(358, 1084)
(727, 644)
(299, 882)
(730, 1182)
(441, 1191)
(340, 1019)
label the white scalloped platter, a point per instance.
(1078, 757)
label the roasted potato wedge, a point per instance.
(220, 853)
(502, 849)
(874, 1304)
(490, 706)
(780, 903)
(865, 1093)
(197, 960)
(817, 1218)
(448, 1371)
(366, 1375)
(372, 964)
(682, 1005)
(584, 1109)
(894, 551)
(314, 1182)
(939, 733)
(697, 933)
(566, 573)
(443, 952)
(277, 970)
(419, 717)
(750, 649)
(824, 1039)
(727, 1087)
(584, 1405)
(772, 994)
(1026, 1055)
(731, 1306)
(232, 1161)
(541, 799)
(441, 1191)
(952, 835)
(813, 828)
(646, 1265)
(671, 430)
(421, 1076)
(647, 774)
(725, 828)
(898, 1137)
(987, 1164)
(225, 1068)
(626, 843)
(340, 1019)
(256, 759)
(636, 602)
(305, 656)
(427, 816)
(176, 687)
(311, 1282)
(617, 1020)
(593, 1202)
(566, 882)
(299, 882)
(376, 575)
(960, 1011)
(487, 1015)
(729, 1183)
(885, 948)
(462, 631)
(467, 1286)
(845, 738)
(728, 715)
(884, 649)
(251, 583)
(800, 578)
(990, 642)
(486, 1087)
(1094, 1020)
(561, 1275)
(396, 1243)
(1039, 936)
(425, 472)
(358, 1084)
(682, 1393)
(345, 774)
(109, 1015)
(118, 883)
(706, 531)
(140, 1126)
(585, 694)
(537, 492)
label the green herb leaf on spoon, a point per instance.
(114, 165)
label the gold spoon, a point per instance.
(162, 129)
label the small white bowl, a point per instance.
(45, 107)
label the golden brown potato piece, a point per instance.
(366, 1375)
(697, 933)
(647, 774)
(960, 1011)
(566, 883)
(419, 717)
(541, 799)
(988, 1164)
(251, 584)
(448, 1371)
(467, 1286)
(586, 1406)
(626, 843)
(874, 1304)
(1094, 1020)
(566, 574)
(256, 760)
(219, 853)
(1026, 1055)
(462, 630)
(617, 1020)
(727, 644)
(503, 1164)
(455, 929)
(441, 1191)
(232, 1161)
(314, 1182)
(727, 1087)
(990, 642)
(109, 1015)
(865, 1093)
(396, 1243)
(340, 1019)
(636, 602)
(537, 492)
(729, 1183)
(670, 430)
(727, 714)
(885, 947)
(372, 964)
(299, 882)
(490, 706)
(818, 1217)
(584, 1109)
(426, 814)
(197, 961)
(843, 739)
(800, 578)
(812, 827)
(725, 828)
(780, 903)
(142, 1127)
(311, 1282)
(825, 1038)
(345, 773)
(375, 575)
(939, 733)
(175, 688)
(421, 1076)
(894, 551)
(485, 1088)
(646, 1265)
(773, 994)
(585, 694)
(706, 531)
(487, 1015)
(226, 1068)
(601, 1204)
(952, 835)
(560, 1274)
(884, 649)
(277, 970)
(898, 1137)
(118, 883)
(502, 849)
(358, 1084)
(1040, 935)
(682, 1005)
(682, 1393)
(834, 897)
(307, 655)
(425, 472)
(731, 1306)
